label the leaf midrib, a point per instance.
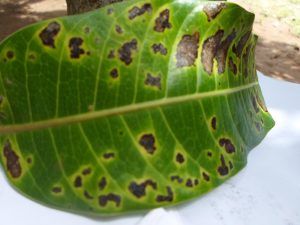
(68, 120)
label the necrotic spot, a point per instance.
(153, 81)
(119, 29)
(10, 54)
(162, 22)
(227, 144)
(148, 142)
(232, 66)
(102, 183)
(187, 50)
(196, 182)
(111, 54)
(159, 48)
(209, 51)
(87, 195)
(168, 198)
(78, 182)
(56, 190)
(214, 123)
(104, 199)
(206, 176)
(114, 73)
(126, 50)
(223, 169)
(136, 11)
(49, 33)
(189, 183)
(12, 161)
(86, 171)
(180, 158)
(74, 45)
(176, 178)
(213, 10)
(222, 51)
(139, 190)
(241, 44)
(108, 155)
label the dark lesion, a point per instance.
(75, 44)
(223, 169)
(13, 164)
(10, 54)
(138, 11)
(57, 190)
(212, 10)
(111, 197)
(187, 50)
(114, 73)
(139, 190)
(238, 49)
(153, 81)
(49, 33)
(102, 183)
(227, 144)
(206, 177)
(232, 66)
(119, 29)
(159, 48)
(109, 155)
(77, 182)
(209, 51)
(162, 22)
(166, 198)
(176, 178)
(180, 158)
(213, 123)
(125, 52)
(147, 141)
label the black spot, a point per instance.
(206, 176)
(241, 44)
(229, 147)
(109, 155)
(119, 29)
(74, 45)
(196, 182)
(126, 50)
(78, 182)
(167, 198)
(159, 48)
(139, 190)
(114, 73)
(232, 66)
(162, 22)
(189, 183)
(12, 161)
(104, 199)
(209, 51)
(29, 160)
(223, 169)
(102, 184)
(10, 54)
(245, 60)
(177, 178)
(187, 50)
(148, 142)
(180, 158)
(56, 190)
(153, 81)
(49, 33)
(209, 154)
(230, 165)
(86, 171)
(213, 10)
(136, 11)
(87, 195)
(254, 104)
(214, 123)
(222, 51)
(111, 54)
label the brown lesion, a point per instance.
(87, 195)
(86, 171)
(222, 52)
(209, 51)
(136, 11)
(232, 66)
(241, 44)
(102, 183)
(212, 10)
(223, 169)
(139, 190)
(111, 54)
(77, 182)
(213, 123)
(75, 44)
(206, 177)
(111, 197)
(114, 73)
(10, 55)
(227, 144)
(166, 198)
(187, 50)
(125, 51)
(119, 29)
(162, 22)
(189, 183)
(57, 190)
(176, 178)
(13, 164)
(147, 141)
(109, 155)
(159, 48)
(180, 158)
(153, 81)
(49, 33)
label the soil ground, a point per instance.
(277, 25)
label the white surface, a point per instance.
(266, 192)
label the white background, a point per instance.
(266, 192)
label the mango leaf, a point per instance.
(134, 106)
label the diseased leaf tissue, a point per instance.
(137, 105)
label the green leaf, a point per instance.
(134, 106)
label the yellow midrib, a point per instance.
(57, 122)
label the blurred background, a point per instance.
(277, 25)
